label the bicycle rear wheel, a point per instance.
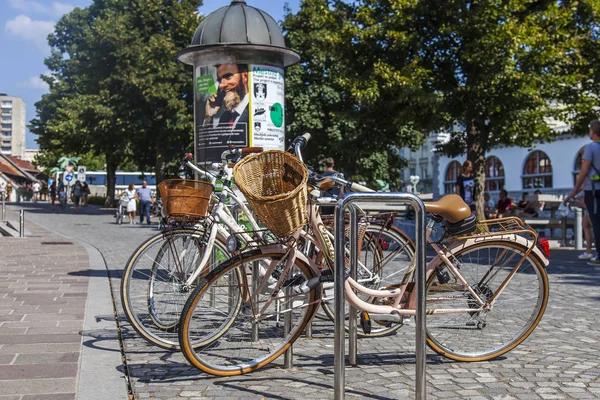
(483, 335)
(153, 290)
(224, 330)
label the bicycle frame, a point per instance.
(399, 309)
(221, 215)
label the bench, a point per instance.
(563, 224)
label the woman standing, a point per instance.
(77, 192)
(53, 193)
(131, 206)
(465, 184)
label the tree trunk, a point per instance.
(160, 165)
(476, 154)
(111, 179)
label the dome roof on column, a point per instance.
(236, 24)
(239, 29)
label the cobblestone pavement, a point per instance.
(560, 360)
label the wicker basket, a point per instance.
(185, 198)
(274, 183)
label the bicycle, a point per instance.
(161, 272)
(236, 311)
(121, 209)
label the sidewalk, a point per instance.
(58, 338)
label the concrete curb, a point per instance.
(99, 378)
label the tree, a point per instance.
(488, 72)
(109, 91)
(499, 69)
(359, 99)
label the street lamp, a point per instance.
(414, 179)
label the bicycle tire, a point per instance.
(152, 290)
(480, 336)
(391, 261)
(229, 346)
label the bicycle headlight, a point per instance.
(232, 243)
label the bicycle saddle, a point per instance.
(450, 207)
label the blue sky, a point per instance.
(25, 24)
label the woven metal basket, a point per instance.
(274, 183)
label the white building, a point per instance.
(422, 163)
(549, 167)
(12, 125)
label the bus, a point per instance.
(97, 181)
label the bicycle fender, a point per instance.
(526, 243)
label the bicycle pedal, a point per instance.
(365, 322)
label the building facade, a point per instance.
(423, 163)
(12, 125)
(549, 167)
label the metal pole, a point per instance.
(22, 223)
(3, 207)
(287, 327)
(352, 342)
(420, 351)
(578, 229)
(339, 347)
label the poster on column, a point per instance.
(240, 105)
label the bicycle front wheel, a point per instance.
(153, 288)
(232, 325)
(483, 335)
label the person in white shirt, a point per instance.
(36, 191)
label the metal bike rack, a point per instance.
(375, 202)
(21, 223)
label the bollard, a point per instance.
(3, 209)
(578, 229)
(22, 223)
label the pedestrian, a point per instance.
(505, 205)
(9, 188)
(62, 195)
(76, 195)
(489, 207)
(145, 195)
(36, 187)
(85, 193)
(465, 184)
(53, 194)
(586, 225)
(589, 180)
(131, 205)
(335, 192)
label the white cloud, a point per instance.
(56, 9)
(35, 82)
(26, 28)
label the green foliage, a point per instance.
(359, 99)
(377, 75)
(116, 90)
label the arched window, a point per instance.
(454, 169)
(538, 171)
(494, 174)
(578, 161)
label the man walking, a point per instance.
(589, 180)
(145, 195)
